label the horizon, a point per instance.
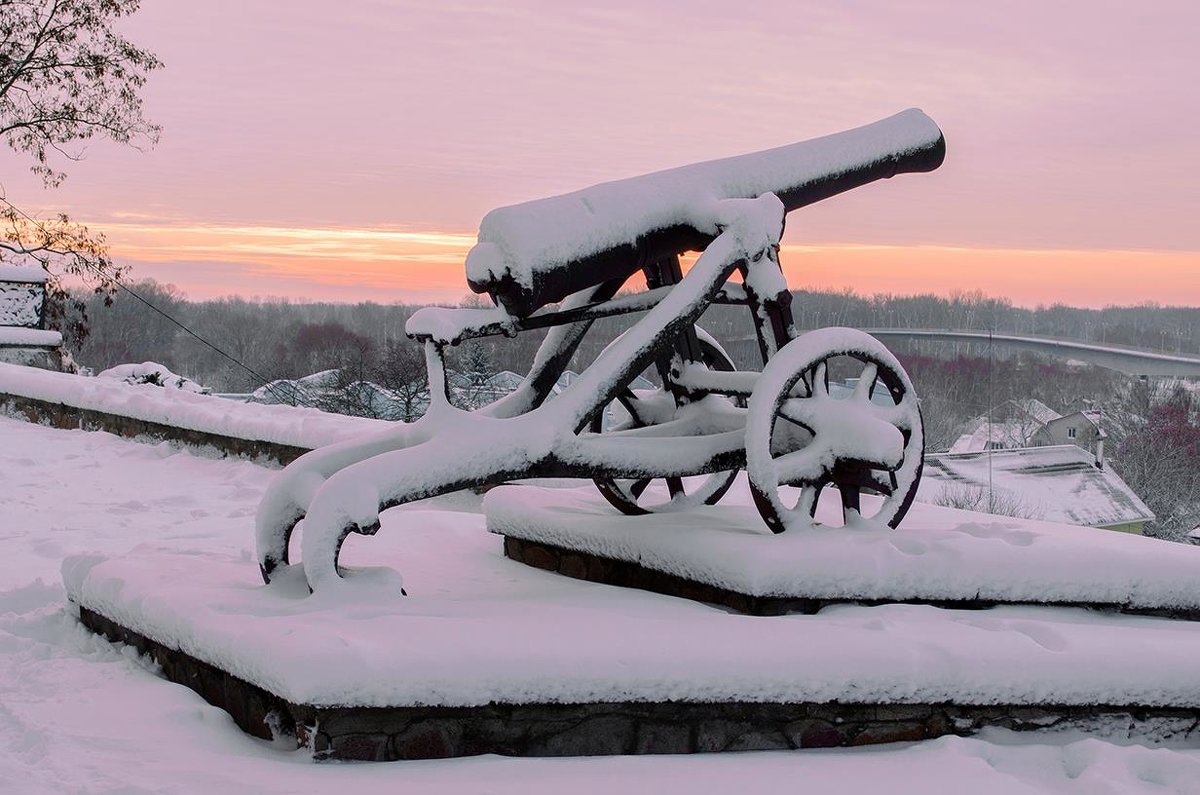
(352, 158)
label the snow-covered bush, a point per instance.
(999, 502)
(152, 373)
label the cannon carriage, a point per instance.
(798, 426)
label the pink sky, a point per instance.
(350, 154)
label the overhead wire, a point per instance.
(298, 393)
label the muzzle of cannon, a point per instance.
(539, 252)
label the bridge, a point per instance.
(1132, 361)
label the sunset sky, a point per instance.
(347, 151)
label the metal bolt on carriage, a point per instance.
(830, 408)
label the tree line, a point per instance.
(236, 344)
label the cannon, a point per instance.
(830, 408)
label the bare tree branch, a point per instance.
(66, 77)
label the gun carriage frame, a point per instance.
(794, 429)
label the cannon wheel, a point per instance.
(789, 445)
(628, 495)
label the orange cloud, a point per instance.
(1028, 277)
(395, 264)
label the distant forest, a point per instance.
(287, 339)
(1154, 428)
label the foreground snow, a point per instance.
(78, 714)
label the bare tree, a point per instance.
(1156, 435)
(66, 77)
(982, 500)
(401, 370)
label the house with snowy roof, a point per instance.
(1080, 428)
(1057, 483)
(1013, 423)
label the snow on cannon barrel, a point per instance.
(541, 251)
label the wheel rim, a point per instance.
(639, 496)
(802, 438)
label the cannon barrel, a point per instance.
(539, 252)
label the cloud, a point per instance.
(386, 264)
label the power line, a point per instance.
(298, 393)
(258, 376)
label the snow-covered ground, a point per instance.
(80, 715)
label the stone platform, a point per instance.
(490, 656)
(724, 555)
(616, 728)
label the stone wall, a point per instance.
(412, 732)
(35, 356)
(61, 415)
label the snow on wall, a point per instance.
(33, 337)
(299, 427)
(937, 554)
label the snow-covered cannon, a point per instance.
(832, 407)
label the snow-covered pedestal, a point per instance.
(724, 554)
(23, 341)
(489, 656)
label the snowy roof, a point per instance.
(1036, 410)
(998, 434)
(1057, 483)
(1012, 424)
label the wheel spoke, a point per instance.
(901, 416)
(850, 498)
(629, 401)
(865, 388)
(876, 482)
(796, 411)
(809, 496)
(655, 415)
(820, 384)
(799, 468)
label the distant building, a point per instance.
(1011, 424)
(1058, 483)
(1081, 428)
